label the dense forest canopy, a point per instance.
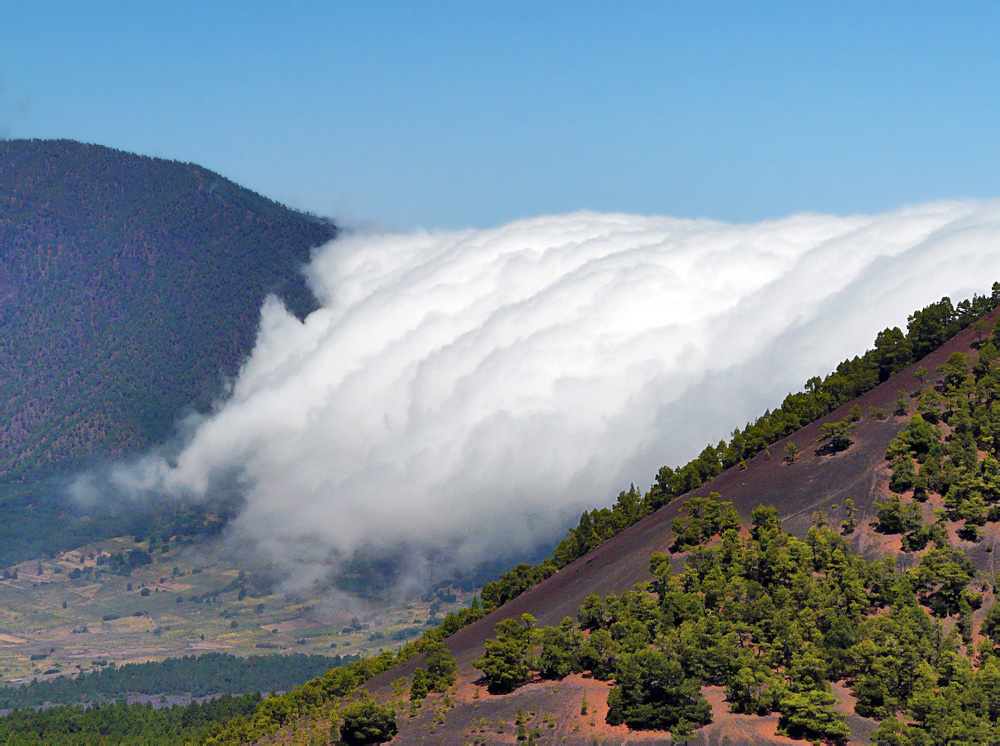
(121, 723)
(130, 288)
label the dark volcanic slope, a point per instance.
(128, 287)
(814, 482)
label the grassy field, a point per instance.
(72, 613)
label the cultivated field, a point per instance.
(74, 612)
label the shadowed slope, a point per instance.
(129, 287)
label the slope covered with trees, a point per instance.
(774, 620)
(128, 286)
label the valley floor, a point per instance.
(73, 614)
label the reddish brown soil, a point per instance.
(813, 482)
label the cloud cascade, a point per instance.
(464, 395)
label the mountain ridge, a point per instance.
(130, 288)
(624, 558)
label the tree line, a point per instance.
(927, 329)
(196, 676)
(120, 723)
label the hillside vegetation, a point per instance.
(804, 634)
(894, 350)
(128, 287)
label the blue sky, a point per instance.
(472, 114)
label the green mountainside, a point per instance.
(130, 290)
(129, 287)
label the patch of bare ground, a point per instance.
(553, 712)
(731, 727)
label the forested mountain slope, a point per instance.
(129, 287)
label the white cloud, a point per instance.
(469, 393)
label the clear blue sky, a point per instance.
(475, 113)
